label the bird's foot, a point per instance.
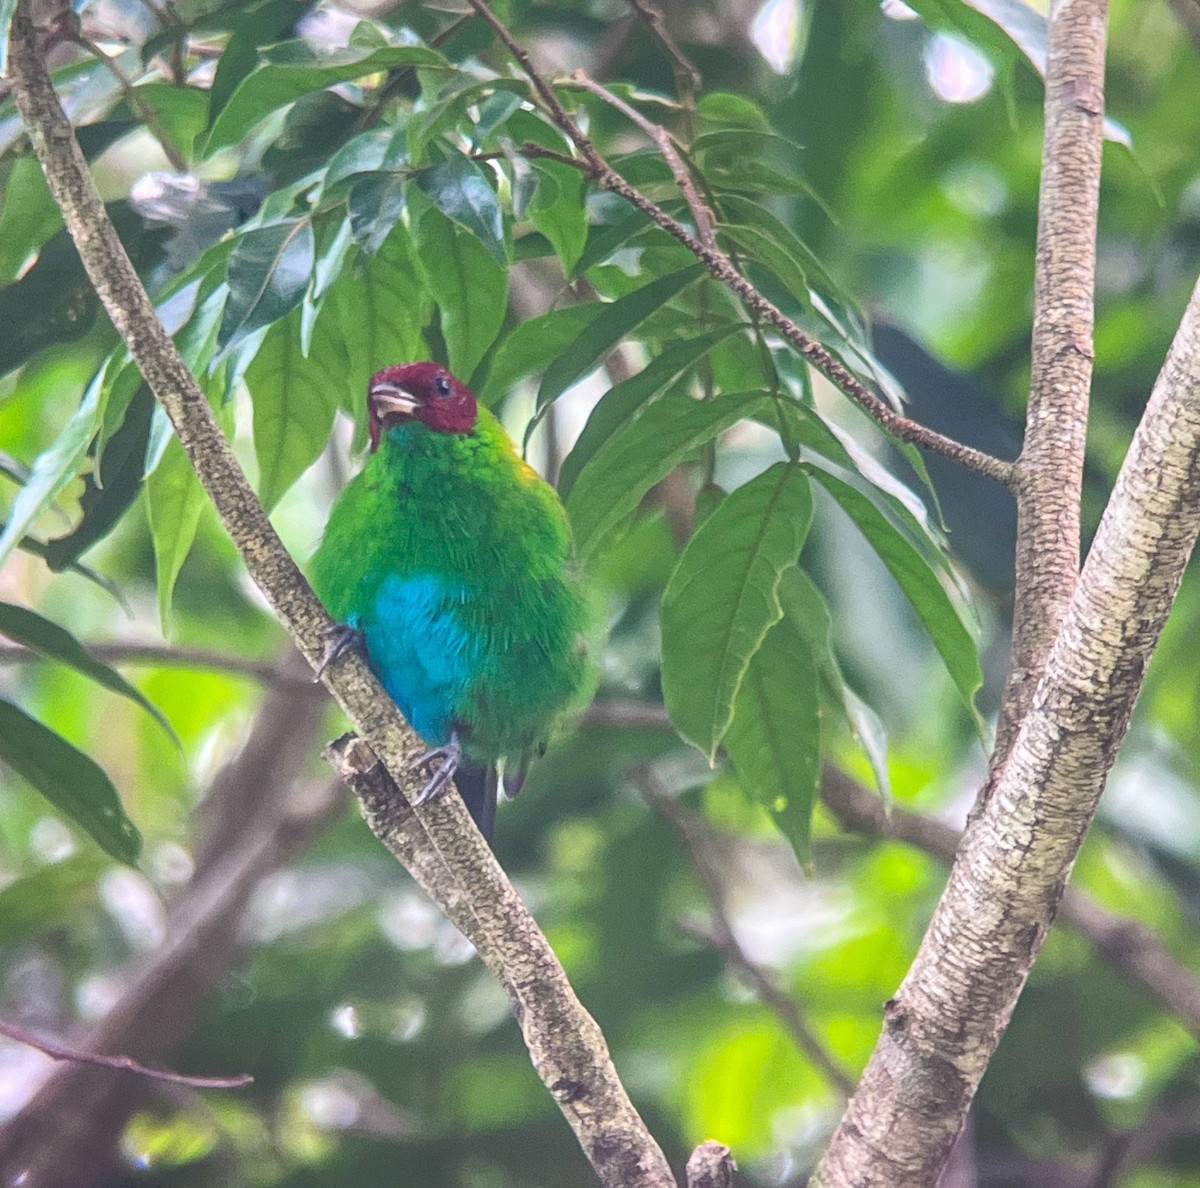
(339, 639)
(447, 759)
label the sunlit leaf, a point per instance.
(48, 639)
(806, 609)
(531, 347)
(72, 782)
(723, 598)
(469, 286)
(295, 400)
(174, 502)
(54, 468)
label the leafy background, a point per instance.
(357, 190)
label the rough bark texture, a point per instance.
(595, 1103)
(946, 1019)
(1049, 472)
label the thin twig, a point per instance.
(687, 77)
(697, 846)
(722, 269)
(136, 101)
(701, 215)
(58, 1051)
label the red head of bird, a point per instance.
(424, 392)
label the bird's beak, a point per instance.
(388, 398)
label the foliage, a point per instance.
(369, 191)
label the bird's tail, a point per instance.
(477, 786)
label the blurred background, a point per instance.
(266, 931)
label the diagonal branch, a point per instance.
(721, 268)
(557, 1029)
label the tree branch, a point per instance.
(946, 1019)
(722, 269)
(613, 1136)
(701, 215)
(59, 1051)
(266, 672)
(687, 77)
(1049, 471)
(696, 845)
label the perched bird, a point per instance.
(449, 560)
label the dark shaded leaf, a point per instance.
(723, 598)
(620, 404)
(558, 210)
(71, 781)
(610, 325)
(268, 273)
(920, 584)
(376, 202)
(462, 192)
(612, 484)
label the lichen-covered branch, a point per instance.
(1049, 472)
(945, 1021)
(613, 1135)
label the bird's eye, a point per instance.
(441, 385)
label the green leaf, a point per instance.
(469, 286)
(612, 484)
(805, 607)
(920, 585)
(376, 203)
(722, 109)
(111, 487)
(48, 639)
(295, 400)
(28, 217)
(558, 210)
(54, 468)
(723, 598)
(268, 273)
(462, 192)
(368, 152)
(774, 739)
(610, 325)
(621, 403)
(293, 69)
(530, 347)
(174, 501)
(71, 781)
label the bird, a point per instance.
(448, 561)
